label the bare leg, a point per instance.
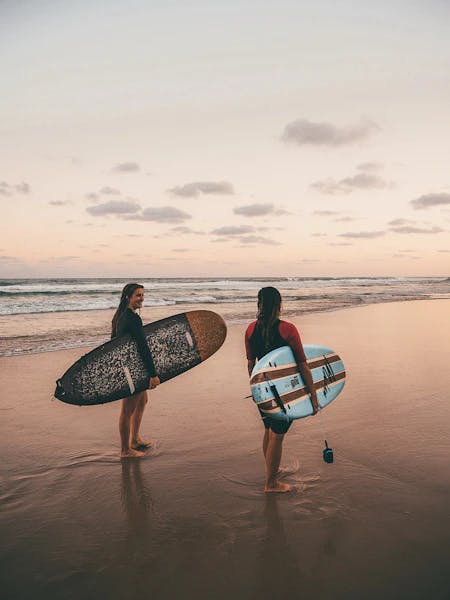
(136, 442)
(273, 458)
(265, 441)
(128, 408)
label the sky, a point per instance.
(164, 138)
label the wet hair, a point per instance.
(269, 306)
(127, 292)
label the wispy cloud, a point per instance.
(259, 210)
(59, 203)
(399, 222)
(160, 214)
(107, 190)
(7, 189)
(409, 229)
(360, 181)
(195, 188)
(114, 207)
(430, 200)
(126, 167)
(362, 234)
(258, 239)
(233, 230)
(303, 132)
(370, 167)
(325, 213)
(183, 230)
(23, 188)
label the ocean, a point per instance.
(38, 315)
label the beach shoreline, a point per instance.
(35, 333)
(77, 521)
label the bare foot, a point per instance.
(141, 444)
(131, 453)
(278, 487)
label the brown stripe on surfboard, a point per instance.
(320, 362)
(300, 393)
(209, 330)
(277, 373)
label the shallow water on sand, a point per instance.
(190, 520)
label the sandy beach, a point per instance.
(191, 520)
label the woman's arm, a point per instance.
(305, 372)
(137, 333)
(250, 365)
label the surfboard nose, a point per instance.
(209, 331)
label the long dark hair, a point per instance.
(269, 307)
(127, 292)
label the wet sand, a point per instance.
(190, 520)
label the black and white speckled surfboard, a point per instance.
(116, 370)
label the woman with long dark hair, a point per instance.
(126, 320)
(263, 335)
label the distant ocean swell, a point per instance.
(61, 295)
(35, 314)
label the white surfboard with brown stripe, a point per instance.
(278, 388)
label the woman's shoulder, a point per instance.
(285, 327)
(250, 328)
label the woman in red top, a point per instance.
(263, 335)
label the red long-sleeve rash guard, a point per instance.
(288, 336)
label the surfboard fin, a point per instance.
(275, 393)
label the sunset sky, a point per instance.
(224, 137)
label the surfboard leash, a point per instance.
(328, 455)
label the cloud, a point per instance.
(344, 220)
(254, 210)
(23, 188)
(325, 213)
(258, 239)
(362, 234)
(341, 244)
(114, 207)
(92, 196)
(109, 190)
(369, 167)
(233, 230)
(409, 229)
(126, 167)
(180, 249)
(303, 132)
(360, 181)
(183, 230)
(194, 189)
(59, 203)
(430, 200)
(7, 189)
(9, 258)
(319, 235)
(397, 222)
(160, 214)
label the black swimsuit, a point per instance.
(131, 322)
